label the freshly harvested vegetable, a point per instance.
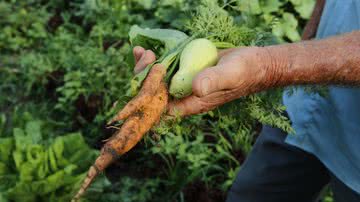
(167, 43)
(140, 114)
(146, 108)
(149, 89)
(196, 56)
(176, 52)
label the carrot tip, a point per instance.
(118, 117)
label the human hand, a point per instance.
(239, 72)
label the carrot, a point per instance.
(141, 114)
(147, 92)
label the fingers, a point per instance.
(184, 107)
(196, 105)
(146, 58)
(226, 51)
(215, 79)
(219, 77)
(211, 88)
(138, 51)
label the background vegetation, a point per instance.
(64, 63)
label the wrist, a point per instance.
(275, 60)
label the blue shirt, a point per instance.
(329, 127)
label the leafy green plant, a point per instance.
(22, 29)
(34, 168)
(133, 190)
(278, 14)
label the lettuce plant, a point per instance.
(33, 168)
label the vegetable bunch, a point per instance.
(181, 58)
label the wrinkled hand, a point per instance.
(239, 72)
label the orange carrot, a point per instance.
(147, 92)
(141, 114)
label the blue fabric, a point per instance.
(275, 171)
(329, 128)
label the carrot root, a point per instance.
(103, 161)
(141, 114)
(148, 90)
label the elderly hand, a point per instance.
(239, 72)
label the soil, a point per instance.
(198, 192)
(88, 108)
(54, 80)
(116, 44)
(55, 21)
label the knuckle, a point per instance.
(205, 105)
(149, 55)
(138, 52)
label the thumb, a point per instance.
(214, 79)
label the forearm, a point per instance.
(335, 60)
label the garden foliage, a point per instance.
(63, 64)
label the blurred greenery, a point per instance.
(34, 167)
(63, 64)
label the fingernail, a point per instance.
(205, 85)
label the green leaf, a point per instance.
(33, 130)
(146, 4)
(35, 153)
(27, 170)
(304, 7)
(2, 123)
(249, 6)
(19, 158)
(287, 26)
(269, 6)
(166, 60)
(158, 40)
(21, 192)
(3, 169)
(58, 149)
(52, 182)
(52, 159)
(21, 140)
(44, 171)
(6, 147)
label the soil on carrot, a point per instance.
(139, 116)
